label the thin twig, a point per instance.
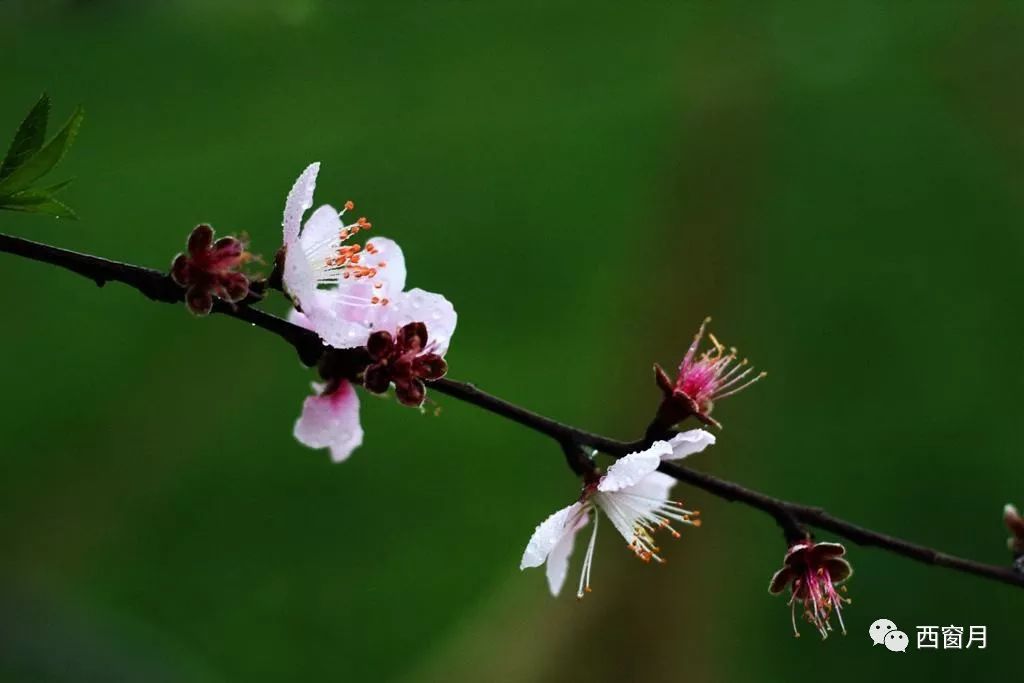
(159, 287)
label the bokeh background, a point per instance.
(839, 184)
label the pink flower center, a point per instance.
(714, 374)
(354, 261)
(818, 595)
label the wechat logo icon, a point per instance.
(884, 632)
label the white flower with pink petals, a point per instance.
(634, 497)
(345, 292)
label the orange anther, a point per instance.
(349, 205)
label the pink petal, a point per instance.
(418, 305)
(392, 274)
(331, 421)
(338, 321)
(347, 314)
(299, 318)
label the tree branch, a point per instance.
(790, 516)
(160, 287)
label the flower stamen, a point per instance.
(332, 257)
(588, 562)
(713, 374)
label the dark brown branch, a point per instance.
(159, 287)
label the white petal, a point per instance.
(392, 274)
(331, 421)
(558, 558)
(418, 305)
(625, 506)
(631, 469)
(299, 279)
(300, 198)
(655, 486)
(322, 228)
(547, 535)
(687, 443)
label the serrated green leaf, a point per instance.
(40, 163)
(37, 201)
(29, 138)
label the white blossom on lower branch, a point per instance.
(633, 495)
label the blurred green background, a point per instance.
(839, 184)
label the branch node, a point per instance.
(577, 459)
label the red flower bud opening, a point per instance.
(702, 380)
(209, 269)
(405, 360)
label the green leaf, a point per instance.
(40, 163)
(50, 189)
(29, 138)
(37, 201)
